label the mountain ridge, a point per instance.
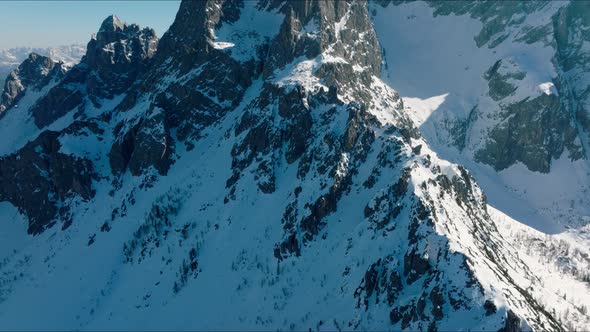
(10, 59)
(292, 153)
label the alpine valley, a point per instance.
(304, 165)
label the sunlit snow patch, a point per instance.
(548, 88)
(421, 109)
(223, 45)
(300, 73)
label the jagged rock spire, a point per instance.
(112, 23)
(115, 57)
(35, 72)
(192, 28)
(119, 43)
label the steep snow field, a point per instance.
(560, 261)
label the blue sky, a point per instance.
(52, 23)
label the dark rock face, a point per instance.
(498, 83)
(382, 281)
(210, 81)
(207, 85)
(115, 57)
(512, 323)
(34, 73)
(38, 179)
(146, 144)
(191, 30)
(490, 307)
(341, 41)
(544, 127)
(121, 151)
(535, 132)
(570, 26)
(68, 95)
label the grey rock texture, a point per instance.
(38, 179)
(208, 83)
(570, 26)
(535, 132)
(146, 144)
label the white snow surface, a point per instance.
(548, 88)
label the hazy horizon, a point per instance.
(55, 23)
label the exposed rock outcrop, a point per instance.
(38, 180)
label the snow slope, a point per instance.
(436, 64)
(290, 192)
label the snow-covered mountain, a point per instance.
(10, 59)
(256, 168)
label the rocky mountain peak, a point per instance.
(111, 24)
(193, 29)
(33, 57)
(117, 44)
(36, 66)
(34, 73)
(114, 59)
(335, 28)
(338, 40)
